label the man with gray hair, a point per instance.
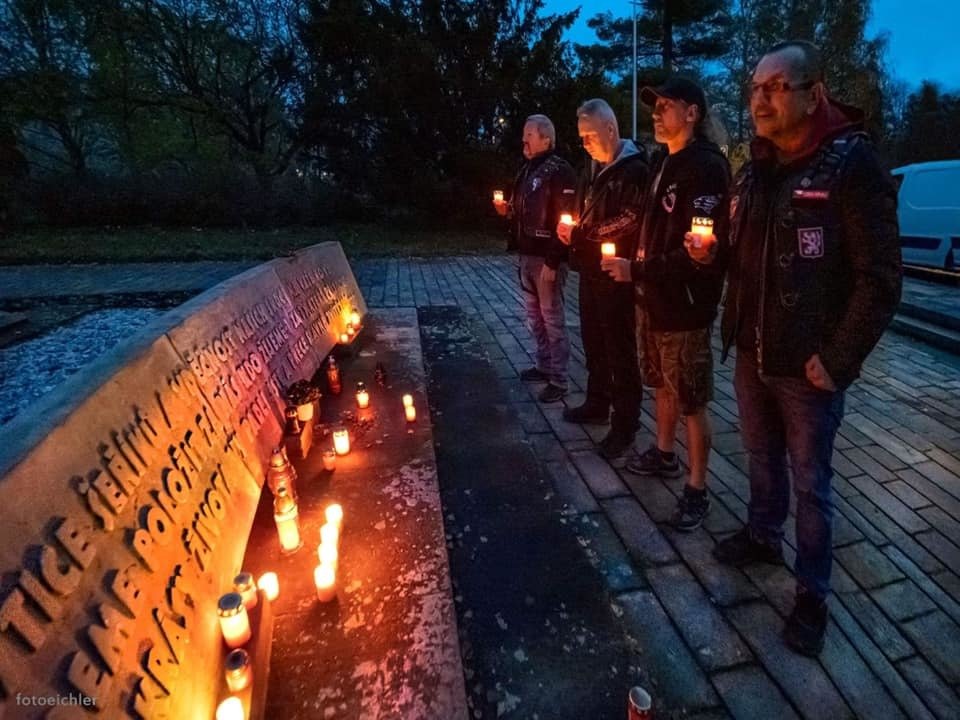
(543, 190)
(608, 204)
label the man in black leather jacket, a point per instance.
(814, 280)
(543, 190)
(608, 204)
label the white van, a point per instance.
(929, 213)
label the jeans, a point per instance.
(781, 415)
(546, 318)
(608, 328)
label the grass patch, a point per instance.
(156, 244)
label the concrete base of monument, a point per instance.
(387, 645)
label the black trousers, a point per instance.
(608, 329)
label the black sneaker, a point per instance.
(533, 375)
(807, 624)
(552, 393)
(742, 548)
(652, 462)
(587, 414)
(615, 444)
(692, 508)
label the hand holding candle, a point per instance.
(608, 249)
(617, 268)
(700, 242)
(565, 228)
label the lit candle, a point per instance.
(243, 584)
(329, 460)
(234, 621)
(237, 670)
(341, 441)
(408, 400)
(701, 227)
(334, 515)
(567, 219)
(231, 709)
(411, 412)
(363, 397)
(344, 339)
(270, 585)
(325, 578)
(355, 318)
(329, 535)
(285, 513)
(498, 196)
(351, 331)
(328, 555)
(608, 249)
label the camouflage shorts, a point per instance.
(679, 361)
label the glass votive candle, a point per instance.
(328, 555)
(231, 709)
(567, 219)
(270, 585)
(234, 621)
(329, 460)
(244, 584)
(407, 400)
(341, 441)
(608, 249)
(329, 534)
(237, 669)
(355, 318)
(344, 339)
(325, 580)
(701, 227)
(363, 397)
(498, 196)
(410, 412)
(334, 515)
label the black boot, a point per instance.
(807, 624)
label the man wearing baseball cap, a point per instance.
(677, 297)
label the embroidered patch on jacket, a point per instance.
(811, 242)
(535, 184)
(670, 198)
(811, 194)
(706, 203)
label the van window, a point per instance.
(935, 189)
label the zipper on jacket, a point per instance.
(764, 254)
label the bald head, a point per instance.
(598, 130)
(803, 59)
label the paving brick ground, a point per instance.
(712, 633)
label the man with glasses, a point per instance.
(814, 281)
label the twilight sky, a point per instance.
(922, 34)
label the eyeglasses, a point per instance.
(775, 87)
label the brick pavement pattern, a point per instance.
(712, 632)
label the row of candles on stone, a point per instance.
(353, 327)
(233, 607)
(233, 611)
(700, 226)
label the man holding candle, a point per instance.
(677, 297)
(814, 280)
(608, 200)
(543, 190)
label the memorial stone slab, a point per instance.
(128, 495)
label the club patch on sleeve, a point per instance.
(810, 241)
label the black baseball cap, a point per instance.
(676, 88)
